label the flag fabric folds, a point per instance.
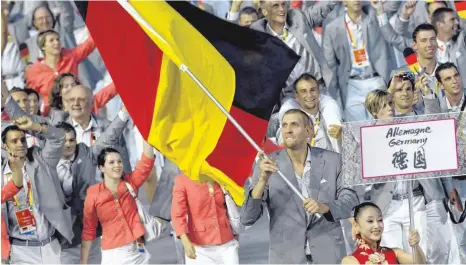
(461, 8)
(144, 44)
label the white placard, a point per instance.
(408, 148)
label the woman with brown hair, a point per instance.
(65, 81)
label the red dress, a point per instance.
(365, 255)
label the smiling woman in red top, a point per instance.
(111, 204)
(56, 60)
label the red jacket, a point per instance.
(207, 222)
(8, 191)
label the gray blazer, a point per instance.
(162, 202)
(288, 228)
(337, 51)
(57, 116)
(301, 25)
(41, 165)
(83, 169)
(433, 106)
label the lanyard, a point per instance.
(30, 196)
(285, 34)
(352, 39)
(316, 129)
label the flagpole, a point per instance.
(185, 69)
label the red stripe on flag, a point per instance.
(233, 151)
(131, 57)
(411, 59)
(460, 6)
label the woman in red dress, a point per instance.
(368, 230)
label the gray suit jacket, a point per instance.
(41, 166)
(162, 202)
(83, 169)
(337, 51)
(301, 25)
(57, 116)
(288, 227)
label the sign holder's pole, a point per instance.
(411, 215)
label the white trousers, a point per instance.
(396, 224)
(355, 110)
(73, 255)
(127, 254)
(441, 248)
(218, 254)
(48, 254)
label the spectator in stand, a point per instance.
(246, 16)
(34, 101)
(111, 204)
(200, 220)
(65, 81)
(56, 60)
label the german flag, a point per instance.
(461, 8)
(144, 45)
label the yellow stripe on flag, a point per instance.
(186, 124)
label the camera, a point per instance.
(407, 76)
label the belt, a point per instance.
(400, 197)
(10, 76)
(364, 77)
(32, 243)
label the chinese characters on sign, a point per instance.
(408, 148)
(400, 160)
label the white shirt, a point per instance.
(304, 183)
(90, 134)
(443, 51)
(456, 108)
(12, 66)
(86, 135)
(306, 64)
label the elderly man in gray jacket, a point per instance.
(294, 27)
(301, 232)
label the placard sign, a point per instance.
(408, 148)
